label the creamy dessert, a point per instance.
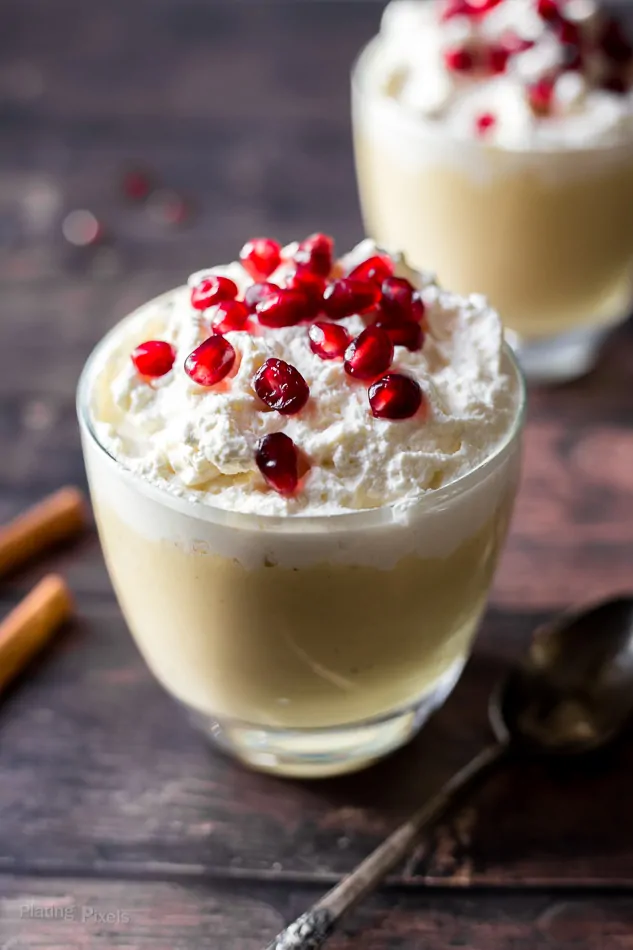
(494, 144)
(302, 470)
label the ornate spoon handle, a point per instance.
(312, 929)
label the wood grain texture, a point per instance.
(244, 106)
(108, 915)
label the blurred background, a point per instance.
(141, 140)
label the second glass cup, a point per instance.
(542, 233)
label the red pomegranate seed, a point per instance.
(568, 32)
(277, 459)
(459, 59)
(453, 8)
(328, 340)
(417, 309)
(347, 296)
(258, 292)
(284, 308)
(281, 386)
(375, 268)
(548, 10)
(396, 301)
(497, 59)
(370, 354)
(316, 252)
(405, 333)
(484, 123)
(480, 7)
(154, 358)
(229, 315)
(395, 397)
(260, 257)
(211, 290)
(211, 361)
(302, 278)
(136, 184)
(541, 96)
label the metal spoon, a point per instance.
(571, 695)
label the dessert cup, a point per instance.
(540, 231)
(306, 645)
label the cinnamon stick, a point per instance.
(31, 624)
(53, 520)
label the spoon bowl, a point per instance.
(573, 693)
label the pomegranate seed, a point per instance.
(375, 268)
(395, 397)
(541, 95)
(568, 32)
(277, 459)
(480, 7)
(284, 308)
(497, 59)
(405, 333)
(211, 361)
(417, 309)
(459, 60)
(258, 292)
(260, 257)
(453, 8)
(313, 285)
(211, 290)
(484, 123)
(229, 315)
(136, 184)
(615, 43)
(370, 354)
(154, 358)
(316, 252)
(548, 10)
(397, 297)
(328, 340)
(281, 387)
(347, 296)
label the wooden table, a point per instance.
(119, 828)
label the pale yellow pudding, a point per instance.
(309, 631)
(528, 209)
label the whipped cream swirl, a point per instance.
(522, 74)
(200, 442)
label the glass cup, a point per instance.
(306, 646)
(543, 234)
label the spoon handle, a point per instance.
(312, 929)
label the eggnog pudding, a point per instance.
(302, 470)
(494, 145)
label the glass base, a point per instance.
(320, 753)
(561, 358)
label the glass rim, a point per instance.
(362, 518)
(421, 123)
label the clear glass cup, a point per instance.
(543, 234)
(306, 646)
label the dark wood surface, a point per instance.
(118, 827)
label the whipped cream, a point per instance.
(200, 443)
(412, 66)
